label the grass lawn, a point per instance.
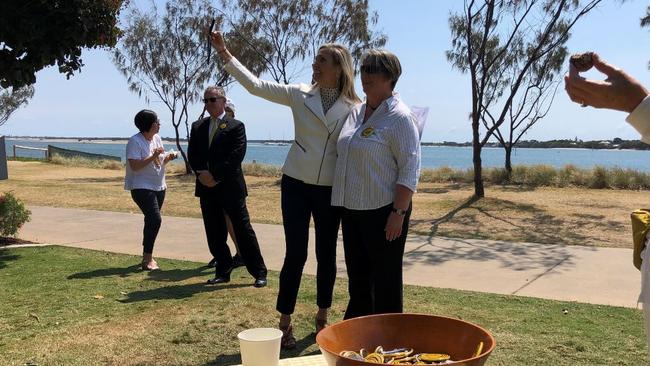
(574, 216)
(66, 306)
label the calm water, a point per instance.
(432, 157)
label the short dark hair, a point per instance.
(220, 91)
(378, 61)
(144, 119)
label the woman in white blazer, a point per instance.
(319, 111)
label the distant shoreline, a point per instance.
(615, 144)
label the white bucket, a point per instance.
(260, 346)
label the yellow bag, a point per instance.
(640, 227)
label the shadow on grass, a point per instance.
(435, 223)
(6, 257)
(301, 346)
(176, 275)
(225, 360)
(92, 180)
(542, 227)
(170, 275)
(521, 223)
(513, 187)
(176, 292)
(532, 225)
(107, 272)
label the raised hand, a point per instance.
(218, 43)
(619, 91)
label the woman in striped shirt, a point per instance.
(376, 175)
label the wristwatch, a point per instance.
(399, 211)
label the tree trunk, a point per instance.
(479, 192)
(508, 166)
(188, 170)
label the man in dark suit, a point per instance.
(216, 149)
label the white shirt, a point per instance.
(213, 124)
(375, 156)
(640, 119)
(150, 177)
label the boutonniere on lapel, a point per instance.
(222, 125)
(367, 132)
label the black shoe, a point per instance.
(237, 261)
(260, 282)
(212, 263)
(219, 279)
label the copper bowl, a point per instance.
(424, 333)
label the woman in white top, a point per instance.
(319, 110)
(145, 178)
(376, 174)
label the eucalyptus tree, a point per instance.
(13, 98)
(294, 29)
(165, 54)
(509, 48)
(534, 98)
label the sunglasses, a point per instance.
(372, 69)
(212, 99)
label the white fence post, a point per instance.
(3, 160)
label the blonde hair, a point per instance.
(342, 57)
(383, 62)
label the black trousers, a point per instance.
(150, 203)
(374, 264)
(301, 201)
(212, 209)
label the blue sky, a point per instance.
(97, 102)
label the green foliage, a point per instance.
(513, 52)
(36, 34)
(545, 176)
(570, 175)
(180, 321)
(261, 170)
(13, 214)
(497, 176)
(598, 179)
(295, 29)
(78, 161)
(13, 98)
(541, 175)
(446, 174)
(163, 54)
(645, 21)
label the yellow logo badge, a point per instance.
(222, 126)
(367, 132)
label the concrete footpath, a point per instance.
(559, 272)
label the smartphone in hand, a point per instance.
(208, 46)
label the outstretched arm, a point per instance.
(274, 92)
(619, 91)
